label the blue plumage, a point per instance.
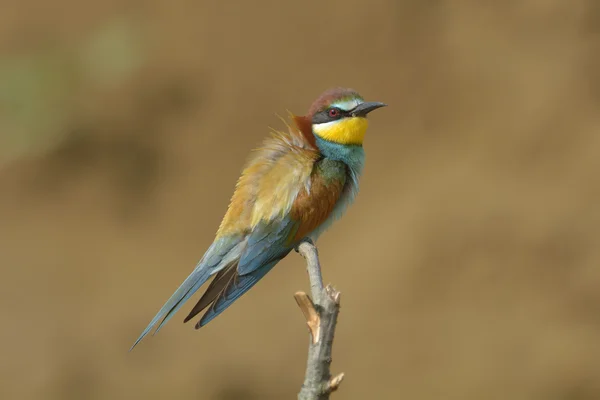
(216, 257)
(268, 241)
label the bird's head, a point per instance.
(340, 115)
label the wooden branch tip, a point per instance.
(334, 383)
(310, 314)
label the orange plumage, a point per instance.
(276, 174)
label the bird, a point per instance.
(292, 189)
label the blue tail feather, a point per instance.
(184, 292)
(181, 302)
(217, 256)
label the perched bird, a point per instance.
(293, 188)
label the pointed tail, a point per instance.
(181, 295)
(221, 253)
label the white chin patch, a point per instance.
(347, 105)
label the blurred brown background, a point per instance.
(468, 265)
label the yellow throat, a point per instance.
(348, 131)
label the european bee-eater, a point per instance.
(294, 187)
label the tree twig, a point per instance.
(321, 317)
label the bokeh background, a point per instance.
(469, 264)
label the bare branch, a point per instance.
(321, 317)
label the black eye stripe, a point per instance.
(323, 116)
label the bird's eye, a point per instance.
(333, 112)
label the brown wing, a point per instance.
(218, 285)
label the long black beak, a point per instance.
(363, 109)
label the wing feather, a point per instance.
(270, 182)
